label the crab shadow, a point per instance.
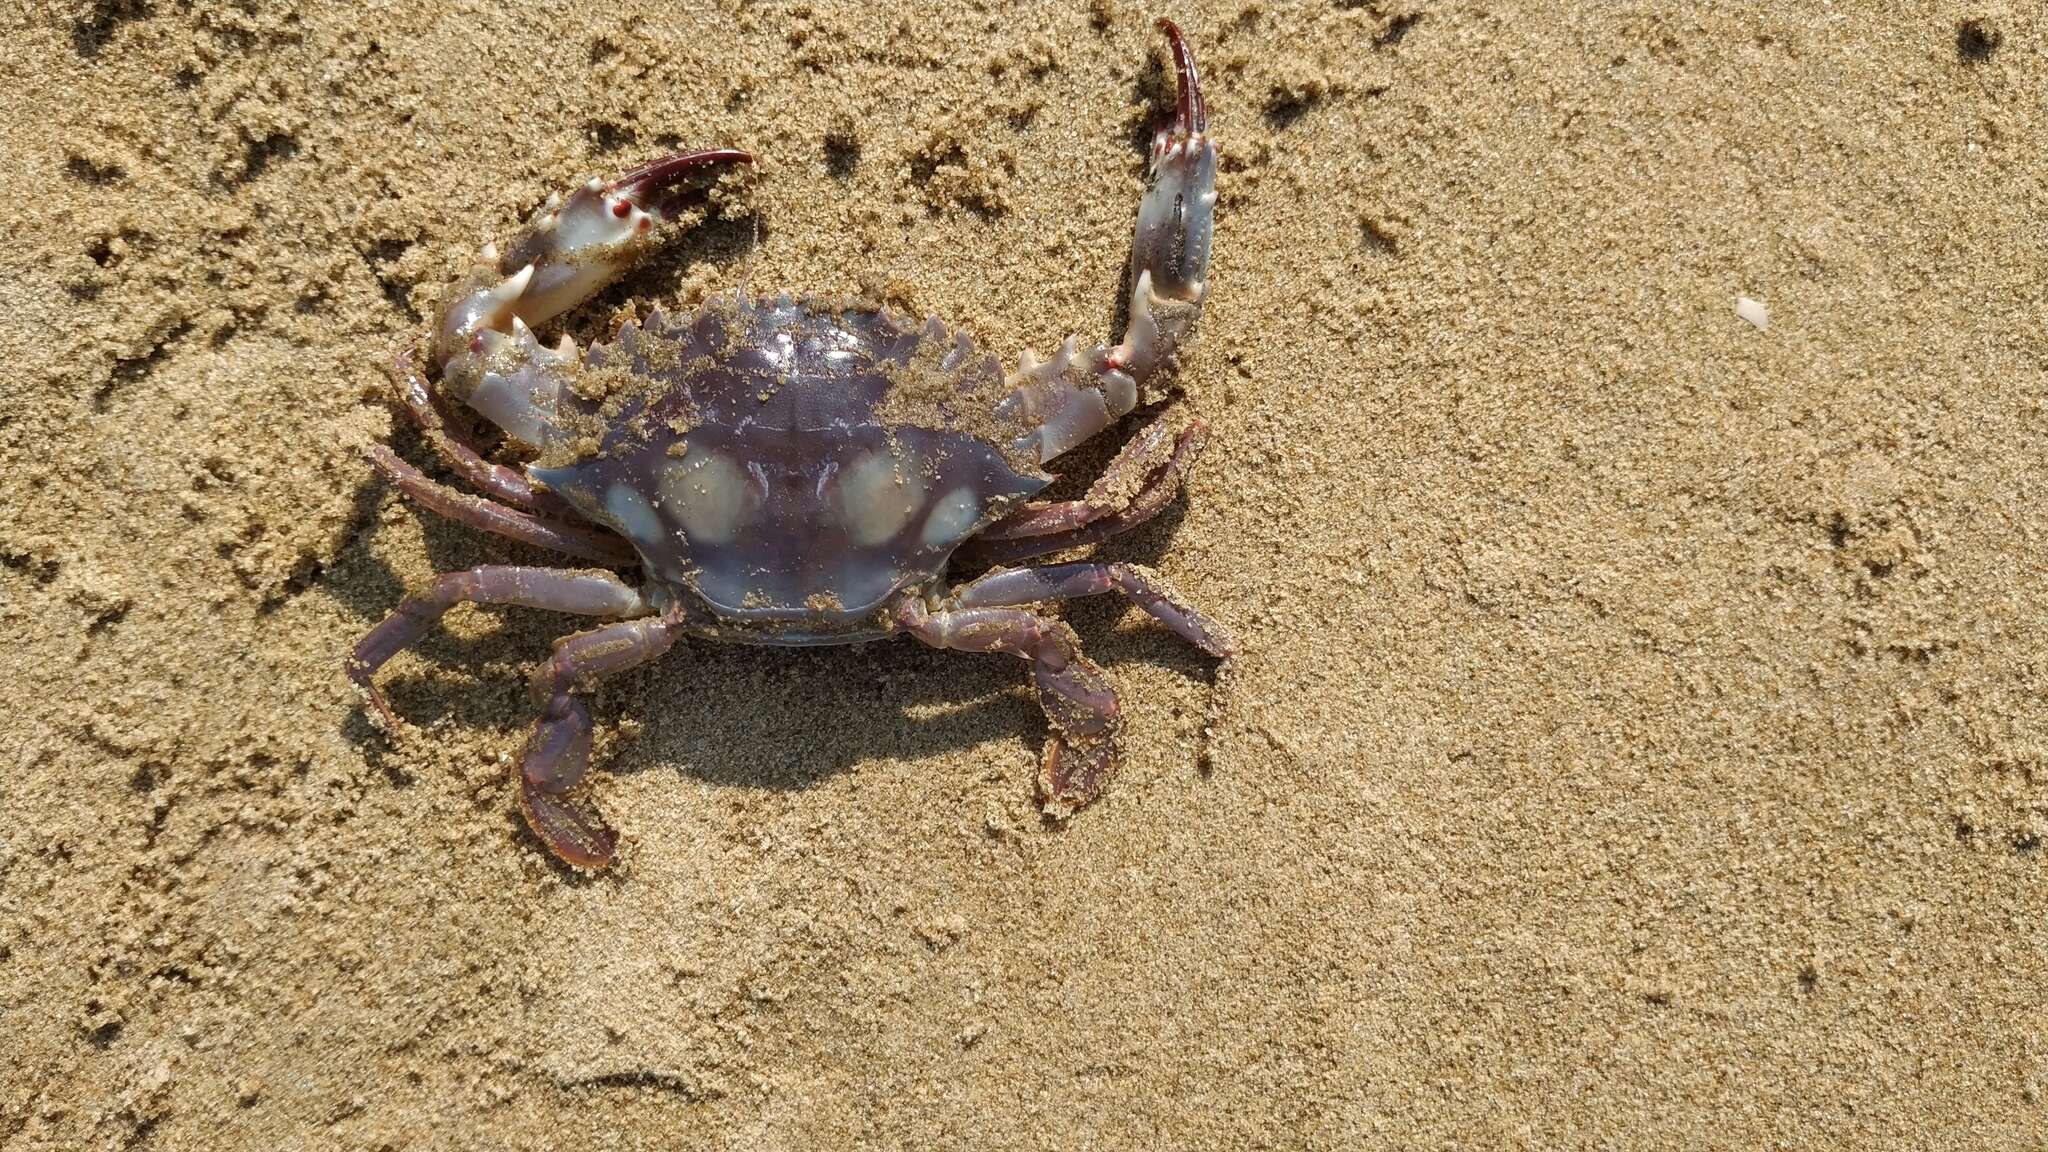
(786, 719)
(732, 715)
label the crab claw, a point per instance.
(1064, 401)
(595, 234)
(1176, 220)
(1190, 114)
(569, 250)
(658, 186)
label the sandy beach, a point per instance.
(1639, 738)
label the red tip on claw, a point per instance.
(1190, 114)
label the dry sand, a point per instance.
(1640, 741)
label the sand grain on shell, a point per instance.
(1639, 740)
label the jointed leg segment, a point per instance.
(1080, 704)
(1077, 698)
(1141, 586)
(496, 481)
(1134, 488)
(571, 539)
(584, 593)
(557, 753)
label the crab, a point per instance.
(794, 471)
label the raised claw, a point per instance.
(1070, 398)
(593, 236)
(657, 186)
(1176, 221)
(569, 250)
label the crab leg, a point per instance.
(1077, 394)
(557, 752)
(477, 512)
(568, 250)
(1133, 489)
(1142, 586)
(496, 480)
(1077, 698)
(584, 593)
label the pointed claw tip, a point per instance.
(1190, 113)
(514, 286)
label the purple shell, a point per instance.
(763, 477)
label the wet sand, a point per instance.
(1639, 740)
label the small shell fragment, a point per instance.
(1754, 312)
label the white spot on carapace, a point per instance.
(707, 493)
(633, 514)
(878, 497)
(951, 517)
